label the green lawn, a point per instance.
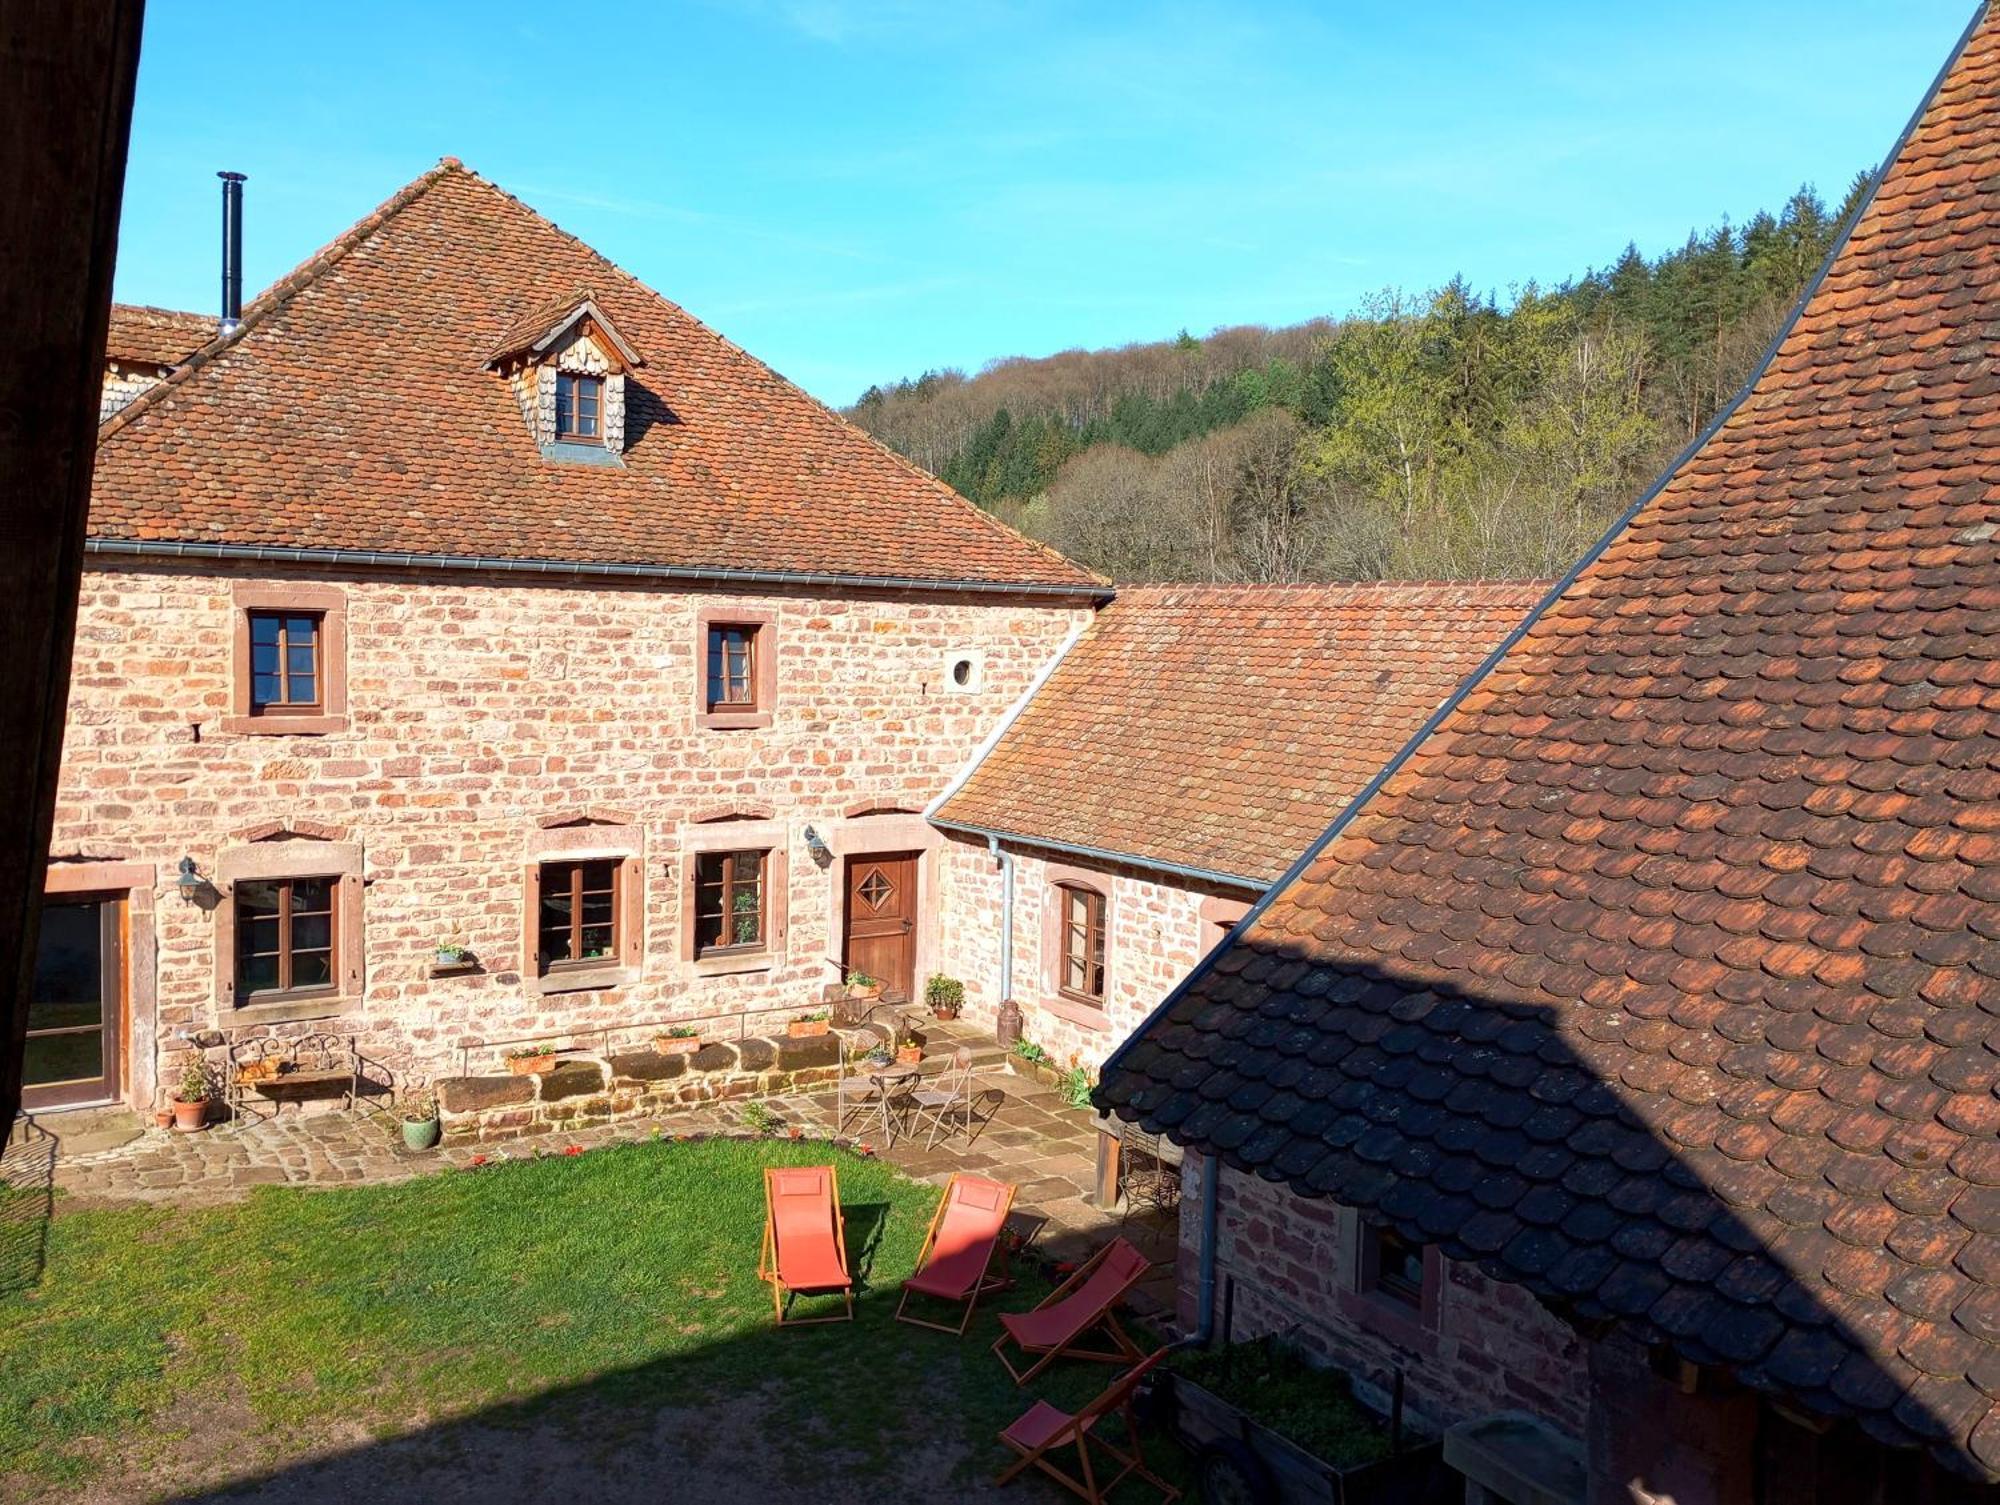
(612, 1283)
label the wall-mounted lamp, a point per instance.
(822, 854)
(193, 888)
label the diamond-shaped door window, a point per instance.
(877, 890)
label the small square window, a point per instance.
(285, 671)
(284, 938)
(580, 408)
(578, 923)
(1392, 1265)
(1082, 976)
(729, 908)
(732, 667)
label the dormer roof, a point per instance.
(545, 328)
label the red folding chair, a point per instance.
(805, 1240)
(955, 1263)
(1082, 1304)
(1044, 1429)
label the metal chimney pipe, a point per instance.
(232, 250)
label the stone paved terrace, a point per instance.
(1024, 1134)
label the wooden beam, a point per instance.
(1108, 1147)
(66, 78)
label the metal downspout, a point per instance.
(1204, 1305)
(1007, 1020)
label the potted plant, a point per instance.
(532, 1060)
(191, 1097)
(945, 995)
(909, 1044)
(862, 987)
(421, 1126)
(451, 954)
(809, 1024)
(681, 1040)
(163, 1118)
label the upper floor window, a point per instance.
(580, 407)
(732, 667)
(284, 937)
(578, 925)
(285, 669)
(1392, 1265)
(728, 903)
(1082, 975)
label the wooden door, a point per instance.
(75, 1008)
(879, 936)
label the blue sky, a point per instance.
(860, 189)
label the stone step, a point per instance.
(85, 1131)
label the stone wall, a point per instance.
(585, 1089)
(1479, 1345)
(483, 712)
(1155, 933)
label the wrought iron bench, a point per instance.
(265, 1070)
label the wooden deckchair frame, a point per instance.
(987, 1282)
(783, 1295)
(1080, 1430)
(1122, 1350)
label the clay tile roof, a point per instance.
(155, 336)
(1663, 977)
(1213, 726)
(352, 412)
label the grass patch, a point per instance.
(624, 1278)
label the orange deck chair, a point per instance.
(805, 1241)
(1044, 1429)
(1087, 1300)
(955, 1263)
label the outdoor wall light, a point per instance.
(193, 888)
(816, 844)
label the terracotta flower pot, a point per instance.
(800, 1029)
(189, 1117)
(909, 1055)
(865, 995)
(677, 1045)
(163, 1118)
(532, 1065)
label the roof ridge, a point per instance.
(156, 308)
(825, 410)
(279, 293)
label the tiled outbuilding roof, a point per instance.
(1213, 726)
(354, 411)
(155, 336)
(1663, 978)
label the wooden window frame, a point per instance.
(749, 633)
(288, 706)
(266, 598)
(728, 857)
(291, 856)
(547, 966)
(1375, 1278)
(592, 840)
(1097, 926)
(576, 379)
(763, 667)
(286, 991)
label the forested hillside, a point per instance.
(1440, 434)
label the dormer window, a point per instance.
(568, 367)
(580, 408)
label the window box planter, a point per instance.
(1237, 1456)
(536, 1065)
(805, 1029)
(677, 1045)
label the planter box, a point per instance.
(677, 1045)
(532, 1065)
(1415, 1476)
(801, 1029)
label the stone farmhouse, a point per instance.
(1629, 1054)
(470, 594)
